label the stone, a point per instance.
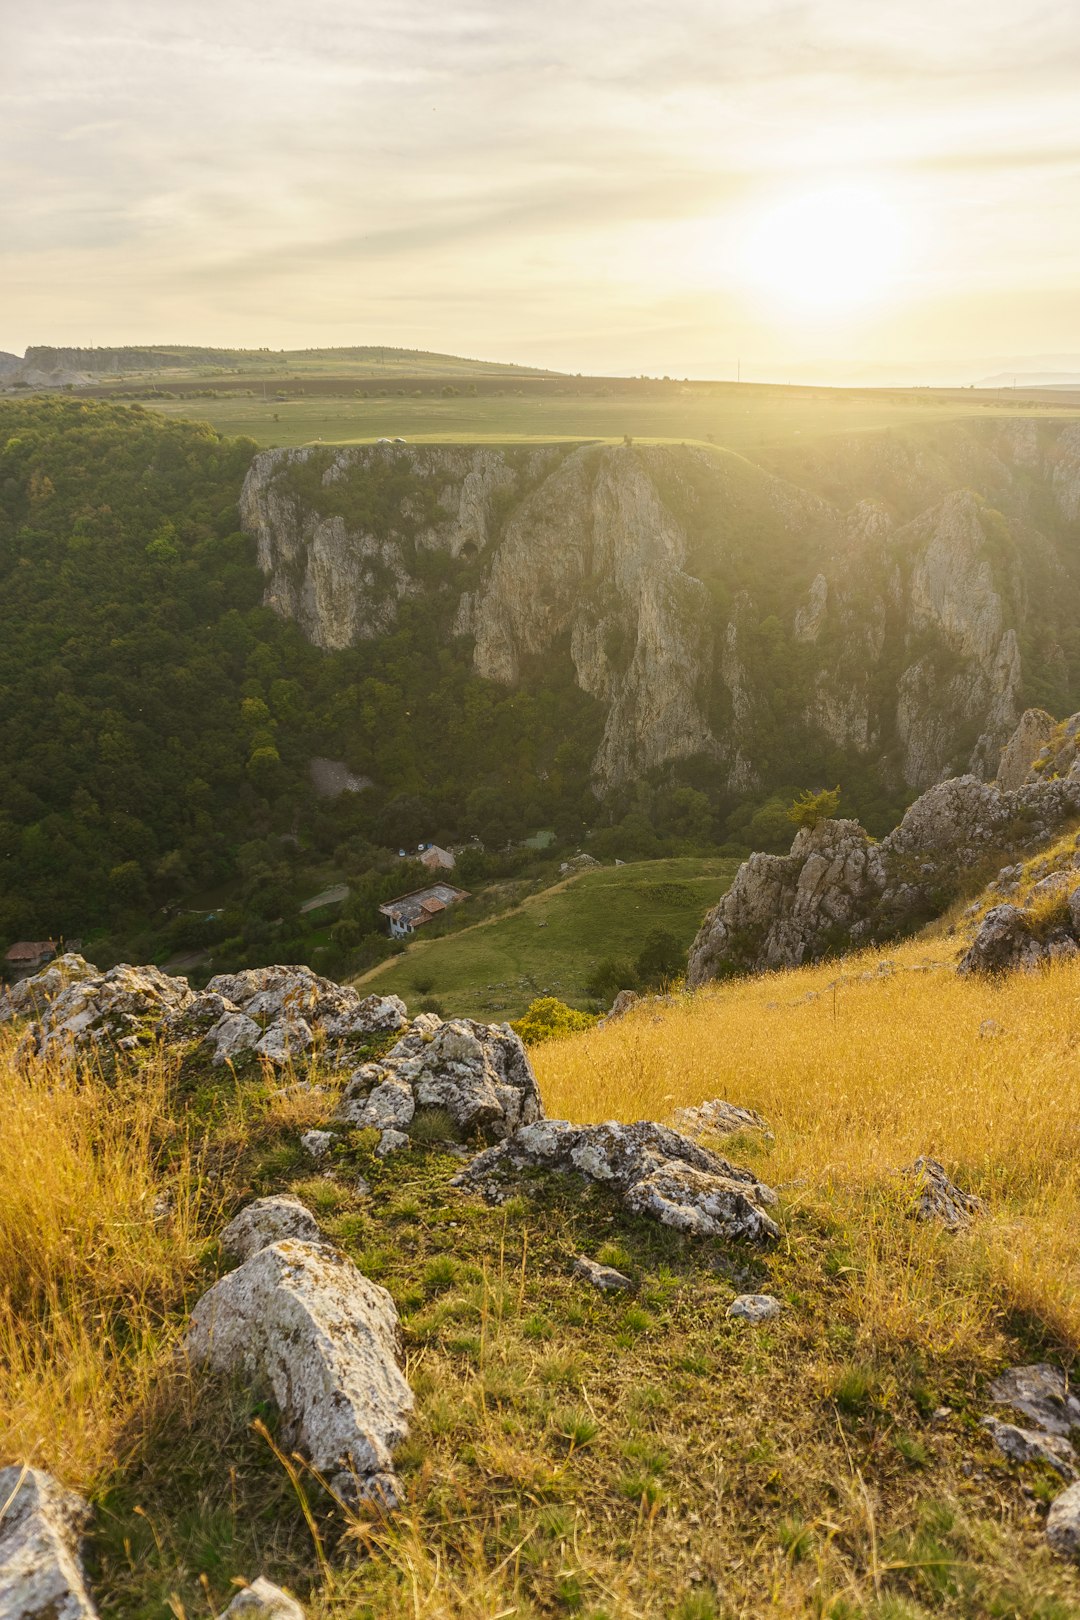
(622, 1004)
(295, 995)
(391, 1141)
(1002, 943)
(317, 1144)
(719, 1118)
(285, 1040)
(388, 1106)
(606, 1278)
(41, 1572)
(28, 998)
(1034, 730)
(1042, 1394)
(102, 1009)
(478, 1074)
(233, 1035)
(937, 1198)
(1063, 1523)
(654, 1170)
(262, 1600)
(1029, 1445)
(989, 1028)
(266, 1221)
(754, 1307)
(303, 1320)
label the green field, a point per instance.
(746, 419)
(551, 943)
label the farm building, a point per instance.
(28, 954)
(437, 859)
(411, 911)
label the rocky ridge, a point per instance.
(839, 888)
(692, 587)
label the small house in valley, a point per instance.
(411, 911)
(26, 955)
(437, 859)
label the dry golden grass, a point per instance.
(101, 1203)
(859, 1071)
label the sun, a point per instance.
(826, 251)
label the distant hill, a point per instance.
(49, 361)
(1031, 379)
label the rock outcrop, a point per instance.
(262, 1600)
(936, 1197)
(478, 1075)
(279, 1013)
(41, 1572)
(839, 888)
(302, 1320)
(684, 584)
(654, 1170)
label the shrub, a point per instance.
(810, 809)
(548, 1017)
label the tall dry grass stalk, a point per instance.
(101, 1206)
(871, 1071)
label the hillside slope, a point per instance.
(880, 609)
(638, 1453)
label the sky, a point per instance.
(835, 190)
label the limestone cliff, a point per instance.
(887, 601)
(839, 888)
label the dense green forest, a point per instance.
(157, 722)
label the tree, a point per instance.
(810, 809)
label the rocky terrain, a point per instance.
(839, 888)
(892, 604)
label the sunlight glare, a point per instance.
(826, 250)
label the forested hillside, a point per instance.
(157, 722)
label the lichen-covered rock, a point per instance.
(28, 998)
(654, 1170)
(936, 1197)
(754, 1308)
(266, 1221)
(1042, 1393)
(290, 996)
(232, 1036)
(262, 1600)
(719, 1118)
(1001, 943)
(478, 1074)
(325, 1339)
(107, 1009)
(606, 1278)
(286, 1039)
(1032, 1445)
(41, 1573)
(622, 1004)
(1063, 1523)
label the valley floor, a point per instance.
(576, 1453)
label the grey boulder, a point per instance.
(302, 1319)
(654, 1170)
(41, 1573)
(1063, 1523)
(262, 1600)
(266, 1221)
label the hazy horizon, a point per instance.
(822, 191)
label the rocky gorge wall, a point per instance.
(889, 601)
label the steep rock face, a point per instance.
(837, 888)
(713, 607)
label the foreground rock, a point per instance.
(41, 1573)
(262, 1600)
(838, 888)
(1006, 939)
(754, 1308)
(1042, 1394)
(117, 1008)
(303, 1320)
(937, 1198)
(719, 1118)
(1032, 1445)
(267, 1221)
(479, 1075)
(279, 1013)
(606, 1278)
(654, 1170)
(1063, 1523)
